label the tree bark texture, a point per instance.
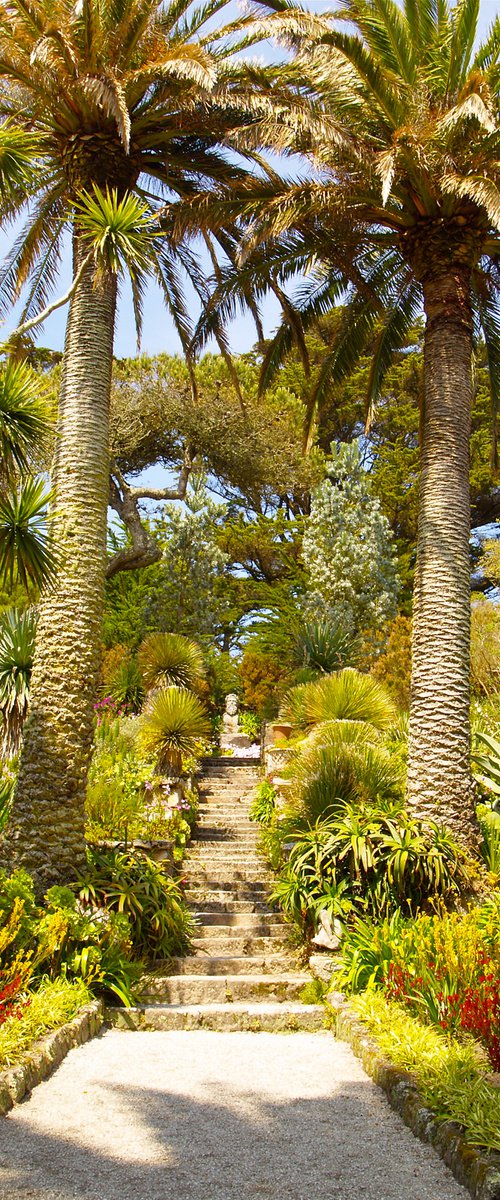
(46, 831)
(439, 776)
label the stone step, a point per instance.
(219, 989)
(200, 897)
(233, 886)
(225, 1018)
(241, 947)
(216, 835)
(205, 879)
(234, 906)
(228, 964)
(256, 922)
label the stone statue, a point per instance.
(231, 738)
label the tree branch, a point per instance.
(124, 498)
(46, 312)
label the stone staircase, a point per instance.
(242, 974)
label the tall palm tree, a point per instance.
(133, 102)
(402, 209)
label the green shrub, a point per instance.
(52, 1005)
(250, 724)
(489, 824)
(445, 969)
(449, 1074)
(486, 762)
(116, 785)
(263, 805)
(133, 884)
(385, 859)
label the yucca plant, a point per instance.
(343, 695)
(127, 688)
(170, 660)
(17, 646)
(324, 645)
(173, 725)
(342, 762)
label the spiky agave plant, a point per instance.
(344, 695)
(170, 659)
(17, 646)
(173, 724)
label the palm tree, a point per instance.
(402, 210)
(133, 103)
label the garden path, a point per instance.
(189, 1110)
(202, 1115)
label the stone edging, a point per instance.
(46, 1054)
(476, 1170)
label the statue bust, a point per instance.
(230, 715)
(231, 739)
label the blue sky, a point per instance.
(158, 332)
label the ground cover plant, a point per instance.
(451, 1075)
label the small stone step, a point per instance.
(225, 1018)
(207, 871)
(228, 964)
(200, 897)
(256, 922)
(230, 943)
(233, 906)
(232, 886)
(218, 989)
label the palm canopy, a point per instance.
(402, 133)
(123, 97)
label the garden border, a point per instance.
(476, 1170)
(47, 1053)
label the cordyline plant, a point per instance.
(112, 110)
(397, 110)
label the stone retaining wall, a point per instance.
(474, 1169)
(46, 1054)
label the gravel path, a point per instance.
(214, 1116)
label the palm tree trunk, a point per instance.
(439, 777)
(46, 832)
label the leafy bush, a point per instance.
(250, 724)
(486, 762)
(392, 668)
(173, 724)
(262, 682)
(133, 884)
(59, 939)
(170, 660)
(127, 688)
(384, 859)
(341, 763)
(445, 969)
(489, 824)
(450, 1075)
(50, 1006)
(263, 805)
(116, 785)
(324, 645)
